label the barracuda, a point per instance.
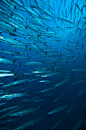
(58, 109)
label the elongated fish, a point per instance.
(57, 109)
(77, 124)
(6, 61)
(56, 124)
(11, 96)
(5, 74)
(26, 111)
(26, 124)
(15, 83)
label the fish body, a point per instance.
(5, 74)
(57, 109)
(11, 96)
(26, 111)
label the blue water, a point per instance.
(56, 43)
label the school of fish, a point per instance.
(42, 64)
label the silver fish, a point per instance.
(58, 109)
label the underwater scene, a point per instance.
(42, 64)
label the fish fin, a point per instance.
(26, 46)
(14, 61)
